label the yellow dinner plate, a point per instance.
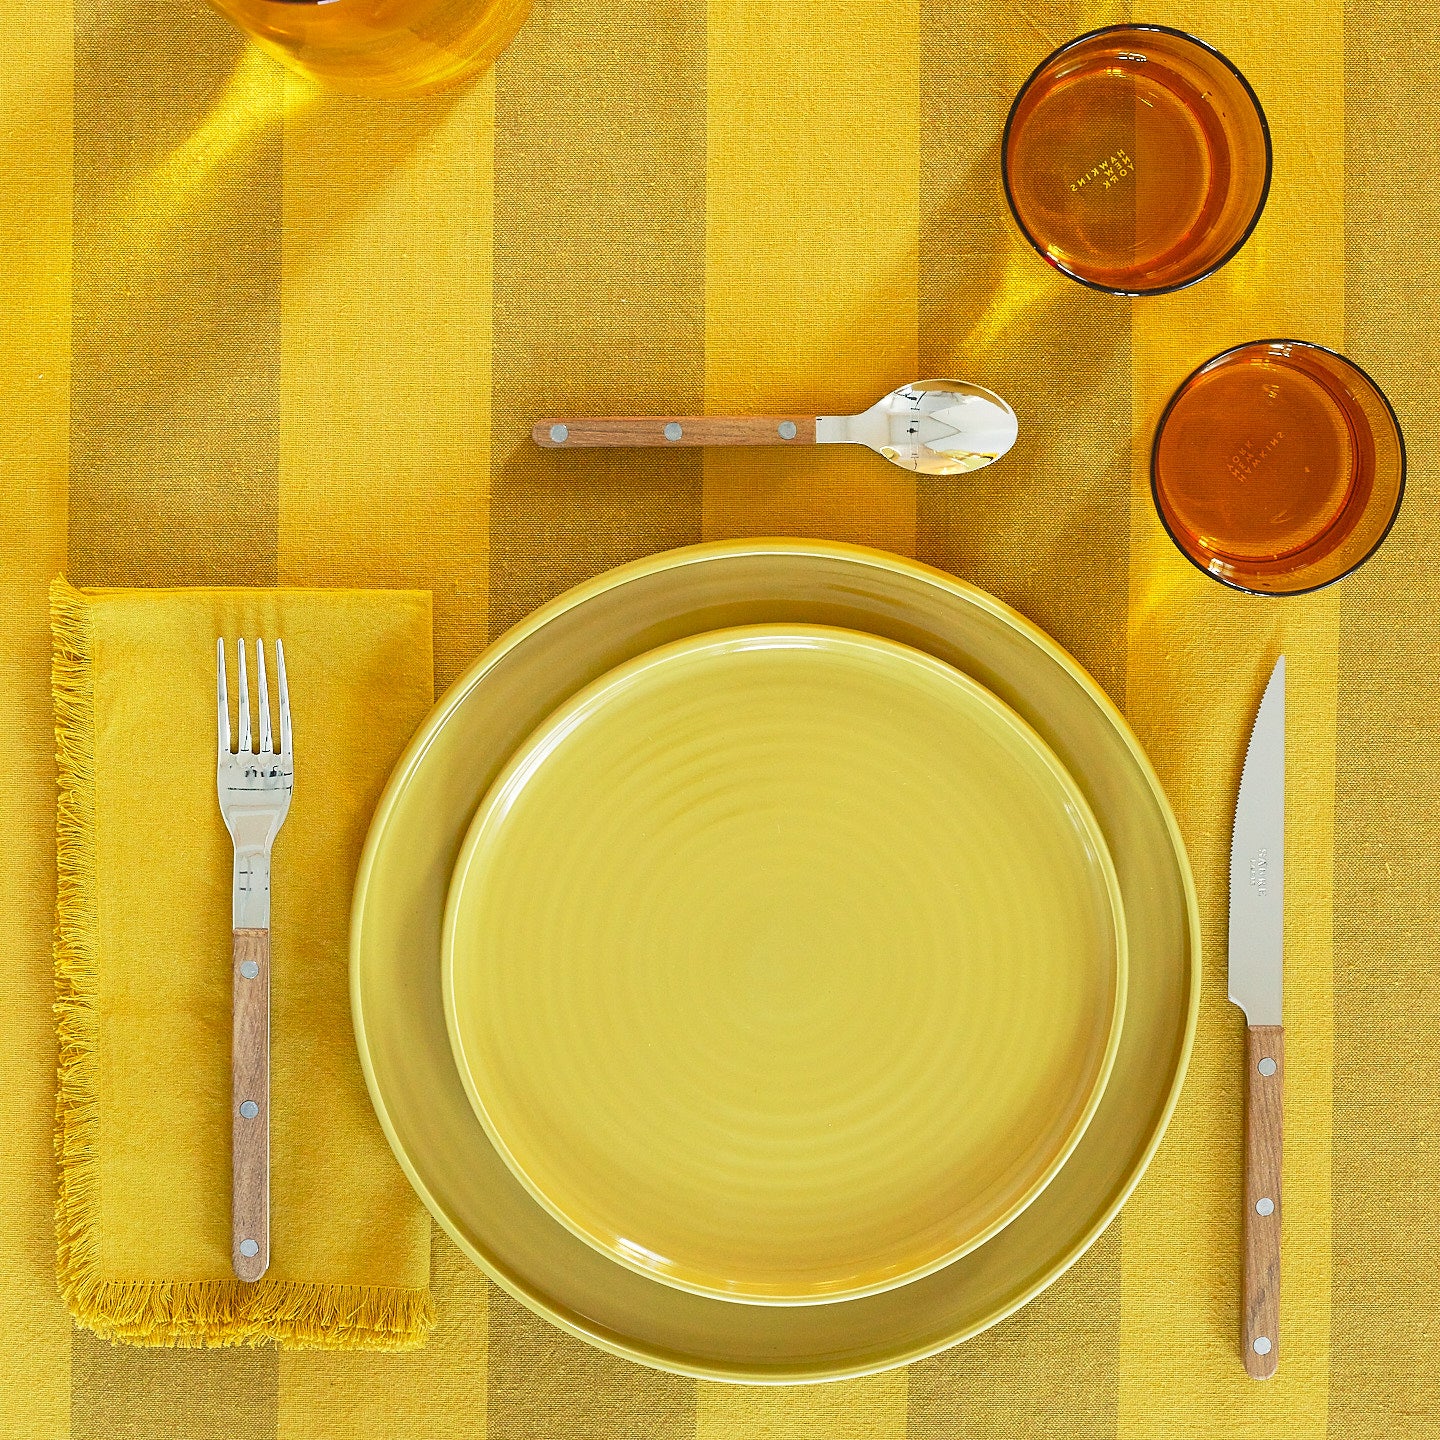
(784, 964)
(470, 737)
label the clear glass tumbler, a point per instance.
(1278, 467)
(381, 47)
(1136, 159)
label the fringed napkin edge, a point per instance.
(154, 1312)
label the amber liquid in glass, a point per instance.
(1142, 165)
(1261, 468)
(381, 47)
(1121, 160)
(1279, 466)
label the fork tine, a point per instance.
(267, 744)
(284, 698)
(224, 698)
(244, 700)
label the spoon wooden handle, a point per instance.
(676, 430)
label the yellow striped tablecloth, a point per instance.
(253, 335)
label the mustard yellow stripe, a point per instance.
(1199, 657)
(35, 182)
(599, 215)
(384, 480)
(173, 434)
(1384, 1341)
(812, 225)
(1046, 529)
(176, 302)
(385, 375)
(437, 1391)
(169, 1394)
(810, 306)
(1056, 1357)
(545, 1383)
(869, 1409)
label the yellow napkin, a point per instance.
(142, 963)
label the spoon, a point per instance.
(934, 427)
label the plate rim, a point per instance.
(685, 556)
(727, 639)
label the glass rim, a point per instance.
(1155, 465)
(1150, 29)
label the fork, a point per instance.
(254, 788)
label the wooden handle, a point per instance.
(676, 430)
(1260, 1318)
(250, 1106)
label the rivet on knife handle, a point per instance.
(1260, 1316)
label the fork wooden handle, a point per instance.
(250, 1105)
(676, 430)
(1260, 1315)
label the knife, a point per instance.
(1257, 942)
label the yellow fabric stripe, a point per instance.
(439, 1390)
(811, 250)
(599, 209)
(868, 1409)
(173, 426)
(546, 1383)
(170, 1394)
(1046, 529)
(812, 226)
(384, 480)
(177, 279)
(1199, 658)
(35, 138)
(385, 373)
(1056, 1357)
(1384, 1341)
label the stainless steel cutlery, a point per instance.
(1257, 946)
(254, 786)
(933, 427)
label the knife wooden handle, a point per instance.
(678, 430)
(250, 1105)
(1260, 1316)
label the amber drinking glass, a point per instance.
(381, 47)
(1136, 159)
(1278, 467)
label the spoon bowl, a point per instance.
(933, 427)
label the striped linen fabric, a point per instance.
(232, 303)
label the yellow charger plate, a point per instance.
(411, 852)
(784, 964)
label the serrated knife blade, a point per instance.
(1257, 864)
(1257, 953)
